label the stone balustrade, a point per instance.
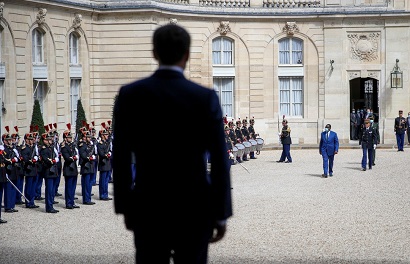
(224, 3)
(291, 3)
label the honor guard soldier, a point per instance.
(49, 159)
(87, 156)
(245, 133)
(232, 133)
(3, 179)
(240, 138)
(94, 139)
(286, 141)
(400, 127)
(229, 144)
(104, 164)
(19, 165)
(70, 155)
(39, 178)
(30, 155)
(56, 143)
(252, 135)
(110, 139)
(11, 161)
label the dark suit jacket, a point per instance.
(171, 184)
(329, 144)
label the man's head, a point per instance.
(367, 123)
(171, 45)
(400, 113)
(328, 127)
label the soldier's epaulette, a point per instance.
(44, 146)
(23, 147)
(100, 141)
(62, 144)
(81, 144)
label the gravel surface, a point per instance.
(283, 213)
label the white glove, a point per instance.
(15, 159)
(231, 155)
(77, 157)
(93, 156)
(35, 158)
(57, 159)
(374, 146)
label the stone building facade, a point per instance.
(310, 60)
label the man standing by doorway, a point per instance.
(353, 125)
(400, 127)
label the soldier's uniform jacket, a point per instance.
(245, 132)
(367, 137)
(2, 166)
(400, 125)
(239, 135)
(228, 142)
(95, 144)
(70, 155)
(251, 131)
(11, 167)
(285, 135)
(58, 148)
(232, 135)
(20, 164)
(48, 155)
(86, 151)
(104, 154)
(30, 158)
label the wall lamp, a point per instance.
(331, 64)
(396, 76)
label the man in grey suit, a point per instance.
(174, 207)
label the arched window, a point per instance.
(222, 50)
(38, 47)
(290, 51)
(73, 48)
(224, 73)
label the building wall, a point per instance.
(115, 48)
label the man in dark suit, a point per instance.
(328, 148)
(173, 206)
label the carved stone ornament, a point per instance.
(41, 15)
(1, 9)
(224, 27)
(173, 21)
(290, 28)
(364, 46)
(354, 75)
(77, 20)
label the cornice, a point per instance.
(195, 10)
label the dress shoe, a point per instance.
(106, 199)
(76, 206)
(52, 211)
(55, 202)
(19, 202)
(75, 198)
(89, 203)
(12, 210)
(2, 221)
(92, 194)
(288, 161)
(330, 174)
(279, 161)
(370, 168)
(58, 194)
(253, 158)
(69, 207)
(373, 164)
(32, 206)
(363, 169)
(324, 176)
(39, 198)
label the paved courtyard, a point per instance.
(283, 213)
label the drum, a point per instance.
(241, 150)
(234, 151)
(254, 143)
(248, 146)
(259, 146)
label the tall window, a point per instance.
(224, 89)
(224, 73)
(40, 93)
(290, 51)
(74, 55)
(222, 50)
(291, 96)
(74, 96)
(38, 47)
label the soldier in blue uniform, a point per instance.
(69, 152)
(400, 127)
(104, 164)
(286, 141)
(368, 140)
(49, 160)
(229, 144)
(30, 155)
(252, 135)
(3, 179)
(56, 145)
(86, 151)
(94, 139)
(11, 161)
(19, 166)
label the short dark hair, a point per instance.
(171, 42)
(328, 126)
